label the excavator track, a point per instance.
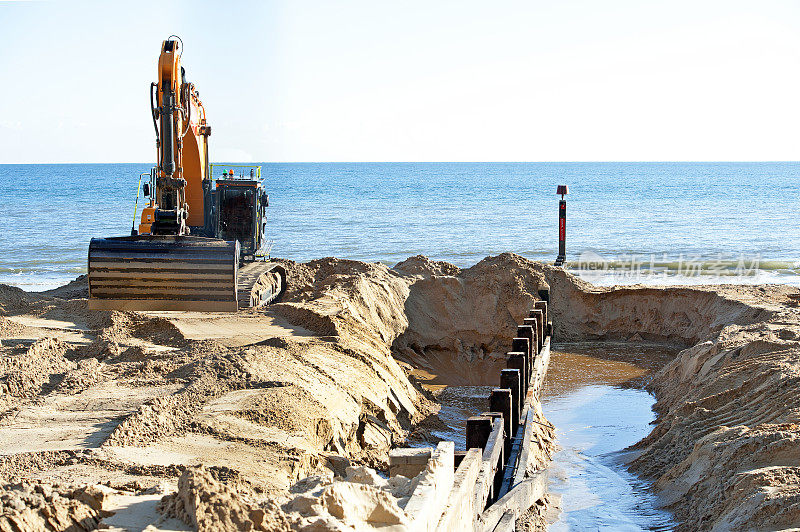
(178, 273)
(260, 283)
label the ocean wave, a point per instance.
(674, 278)
(68, 268)
(688, 265)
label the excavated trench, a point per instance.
(612, 387)
(595, 396)
(460, 324)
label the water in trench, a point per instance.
(594, 396)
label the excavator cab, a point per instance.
(241, 205)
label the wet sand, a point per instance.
(625, 364)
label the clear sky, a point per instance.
(410, 81)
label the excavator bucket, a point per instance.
(163, 273)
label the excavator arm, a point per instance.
(174, 263)
(178, 202)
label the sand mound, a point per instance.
(422, 265)
(78, 288)
(43, 306)
(208, 504)
(24, 374)
(346, 298)
(679, 315)
(725, 451)
(13, 299)
(461, 322)
(457, 323)
(159, 331)
(293, 401)
(9, 329)
(44, 507)
(361, 500)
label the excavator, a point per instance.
(200, 243)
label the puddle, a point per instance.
(595, 399)
(459, 403)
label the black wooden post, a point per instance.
(562, 225)
(542, 305)
(538, 315)
(500, 401)
(518, 360)
(526, 331)
(509, 378)
(537, 341)
(544, 294)
(522, 345)
(478, 430)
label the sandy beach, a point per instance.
(178, 421)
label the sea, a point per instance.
(627, 223)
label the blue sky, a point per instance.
(410, 81)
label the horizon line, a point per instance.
(444, 162)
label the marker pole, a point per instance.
(562, 226)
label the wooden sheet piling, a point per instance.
(527, 437)
(507, 522)
(460, 512)
(518, 500)
(491, 462)
(517, 467)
